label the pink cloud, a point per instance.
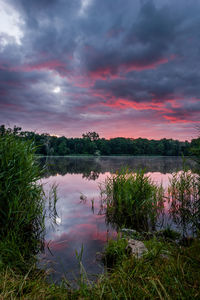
(106, 72)
(142, 66)
(124, 104)
(103, 73)
(173, 119)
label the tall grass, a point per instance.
(184, 193)
(165, 272)
(22, 202)
(132, 200)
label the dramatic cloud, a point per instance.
(121, 68)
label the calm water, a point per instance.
(79, 225)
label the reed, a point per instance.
(132, 200)
(22, 202)
(184, 195)
(115, 252)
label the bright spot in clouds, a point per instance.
(56, 90)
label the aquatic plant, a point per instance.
(22, 201)
(132, 200)
(184, 193)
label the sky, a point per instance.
(122, 68)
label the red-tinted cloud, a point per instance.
(173, 119)
(124, 104)
(113, 72)
(142, 66)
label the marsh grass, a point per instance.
(22, 202)
(132, 200)
(32, 285)
(115, 252)
(184, 195)
(167, 271)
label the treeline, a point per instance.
(92, 144)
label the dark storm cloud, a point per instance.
(145, 43)
(122, 59)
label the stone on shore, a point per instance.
(136, 248)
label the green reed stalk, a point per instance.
(132, 199)
(22, 201)
(184, 192)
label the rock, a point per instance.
(136, 248)
(100, 256)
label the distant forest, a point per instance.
(92, 144)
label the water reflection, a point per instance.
(79, 222)
(91, 167)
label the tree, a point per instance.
(15, 131)
(195, 150)
(92, 136)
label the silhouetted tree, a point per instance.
(92, 136)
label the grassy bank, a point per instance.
(167, 271)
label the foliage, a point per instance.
(195, 150)
(132, 200)
(22, 204)
(168, 234)
(195, 147)
(91, 144)
(92, 136)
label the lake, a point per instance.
(80, 221)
